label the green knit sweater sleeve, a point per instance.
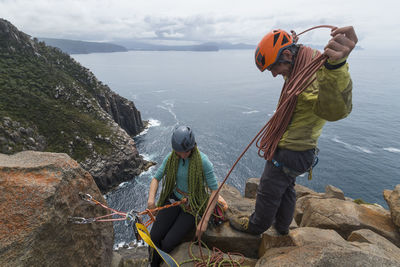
(334, 100)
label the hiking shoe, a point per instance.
(284, 232)
(240, 223)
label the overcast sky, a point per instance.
(196, 21)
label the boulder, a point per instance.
(181, 255)
(39, 192)
(325, 255)
(367, 236)
(250, 190)
(236, 203)
(252, 185)
(272, 239)
(302, 190)
(223, 236)
(393, 200)
(333, 192)
(308, 246)
(346, 217)
(300, 205)
(131, 257)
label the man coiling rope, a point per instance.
(317, 89)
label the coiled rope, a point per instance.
(268, 137)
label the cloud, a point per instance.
(201, 21)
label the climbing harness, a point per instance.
(293, 173)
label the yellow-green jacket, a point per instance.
(328, 98)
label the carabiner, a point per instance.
(80, 220)
(86, 197)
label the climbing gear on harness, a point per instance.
(270, 48)
(183, 139)
(293, 173)
(218, 215)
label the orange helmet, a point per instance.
(271, 47)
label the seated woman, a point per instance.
(186, 173)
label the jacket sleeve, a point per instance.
(334, 100)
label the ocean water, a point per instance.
(226, 100)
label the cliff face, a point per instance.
(49, 102)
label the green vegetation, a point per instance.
(81, 47)
(360, 201)
(29, 80)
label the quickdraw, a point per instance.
(129, 217)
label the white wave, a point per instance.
(154, 122)
(363, 149)
(123, 184)
(133, 96)
(130, 245)
(119, 245)
(159, 91)
(249, 112)
(169, 105)
(352, 147)
(392, 149)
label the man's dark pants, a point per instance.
(276, 196)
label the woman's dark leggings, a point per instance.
(170, 227)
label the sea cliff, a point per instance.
(49, 102)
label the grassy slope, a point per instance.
(27, 95)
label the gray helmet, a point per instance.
(183, 139)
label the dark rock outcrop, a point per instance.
(38, 192)
(123, 112)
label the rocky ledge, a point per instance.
(329, 229)
(40, 191)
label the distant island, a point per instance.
(82, 47)
(209, 46)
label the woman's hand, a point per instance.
(151, 204)
(151, 201)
